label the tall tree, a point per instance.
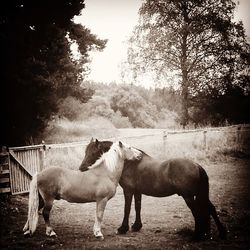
(194, 40)
(37, 65)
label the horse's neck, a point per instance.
(115, 168)
(113, 162)
(107, 159)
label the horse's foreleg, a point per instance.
(137, 225)
(128, 199)
(46, 211)
(221, 228)
(100, 207)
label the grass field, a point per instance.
(219, 144)
(167, 222)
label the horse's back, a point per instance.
(183, 174)
(163, 178)
(178, 167)
(51, 179)
(51, 173)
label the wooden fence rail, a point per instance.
(236, 130)
(24, 162)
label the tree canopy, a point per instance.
(198, 42)
(37, 66)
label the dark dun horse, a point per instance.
(156, 178)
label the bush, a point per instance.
(125, 106)
(169, 119)
(70, 108)
(120, 121)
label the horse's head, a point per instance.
(128, 152)
(93, 151)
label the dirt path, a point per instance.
(167, 222)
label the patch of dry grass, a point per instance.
(65, 157)
(215, 145)
(63, 130)
(218, 147)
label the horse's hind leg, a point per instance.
(201, 217)
(204, 217)
(46, 211)
(41, 204)
(221, 228)
(137, 225)
(191, 204)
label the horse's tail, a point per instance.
(203, 192)
(202, 201)
(33, 205)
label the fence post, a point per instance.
(205, 139)
(165, 136)
(42, 153)
(238, 135)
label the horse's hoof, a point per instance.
(201, 237)
(99, 237)
(136, 227)
(223, 234)
(98, 234)
(51, 234)
(122, 230)
(27, 233)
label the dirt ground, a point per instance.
(167, 222)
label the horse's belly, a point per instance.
(148, 186)
(88, 193)
(78, 197)
(79, 200)
(78, 193)
(157, 192)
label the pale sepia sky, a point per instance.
(114, 20)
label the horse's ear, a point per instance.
(120, 144)
(96, 142)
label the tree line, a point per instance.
(128, 105)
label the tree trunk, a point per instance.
(184, 102)
(185, 83)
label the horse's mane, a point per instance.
(142, 151)
(109, 158)
(108, 143)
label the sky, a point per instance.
(114, 20)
